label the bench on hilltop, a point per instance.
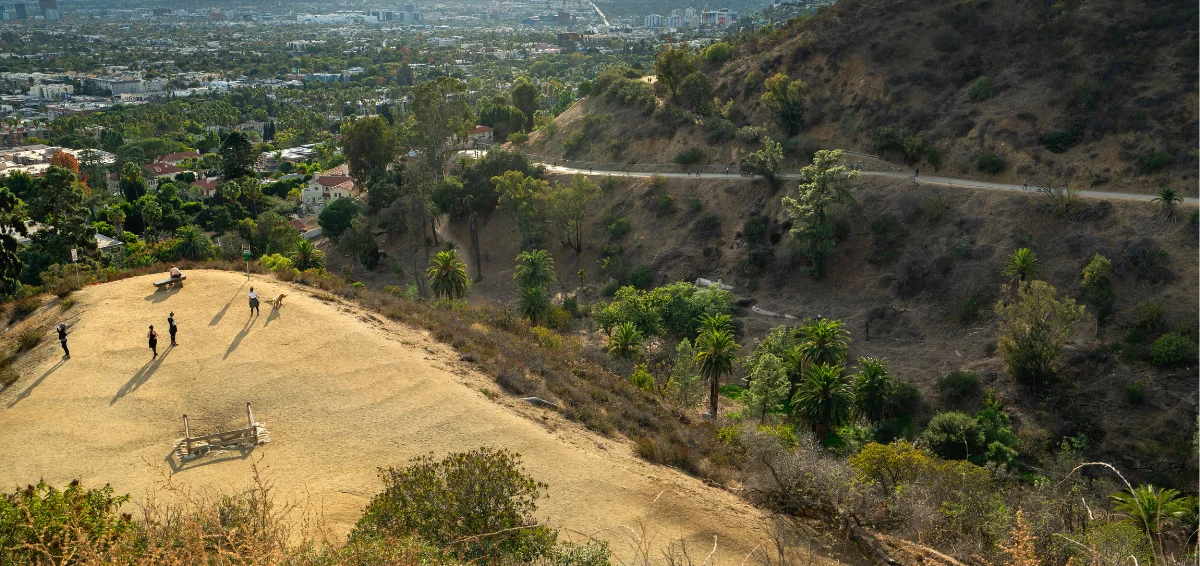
(165, 283)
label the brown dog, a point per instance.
(277, 301)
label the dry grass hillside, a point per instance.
(922, 292)
(1111, 85)
(342, 391)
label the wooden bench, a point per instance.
(170, 281)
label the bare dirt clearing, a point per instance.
(341, 391)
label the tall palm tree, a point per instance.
(448, 275)
(116, 217)
(626, 341)
(1167, 199)
(533, 303)
(1022, 265)
(191, 243)
(715, 352)
(307, 256)
(824, 399)
(821, 341)
(872, 389)
(534, 269)
(715, 323)
(1151, 509)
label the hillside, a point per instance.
(341, 390)
(924, 299)
(1102, 94)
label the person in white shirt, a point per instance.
(253, 301)
(175, 272)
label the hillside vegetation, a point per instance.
(1098, 93)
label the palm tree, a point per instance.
(533, 303)
(715, 352)
(822, 341)
(116, 217)
(872, 389)
(253, 192)
(230, 191)
(191, 243)
(307, 256)
(448, 276)
(824, 399)
(1167, 198)
(1022, 265)
(715, 323)
(626, 341)
(1152, 509)
(534, 269)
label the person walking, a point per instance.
(153, 337)
(253, 301)
(916, 172)
(172, 328)
(1025, 185)
(62, 339)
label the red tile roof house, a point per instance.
(324, 187)
(177, 158)
(209, 186)
(479, 136)
(160, 171)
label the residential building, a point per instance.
(207, 186)
(325, 187)
(51, 91)
(177, 157)
(161, 171)
(19, 8)
(654, 21)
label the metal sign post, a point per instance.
(246, 258)
(75, 260)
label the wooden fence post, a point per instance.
(187, 437)
(250, 422)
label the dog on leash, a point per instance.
(277, 301)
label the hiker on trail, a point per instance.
(153, 337)
(1025, 185)
(62, 339)
(172, 328)
(253, 301)
(916, 172)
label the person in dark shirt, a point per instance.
(62, 339)
(153, 337)
(172, 328)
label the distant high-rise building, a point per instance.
(3, 15)
(19, 7)
(654, 21)
(49, 9)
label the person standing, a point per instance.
(62, 339)
(916, 172)
(172, 328)
(253, 301)
(153, 337)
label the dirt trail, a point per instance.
(342, 392)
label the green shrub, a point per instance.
(618, 229)
(954, 436)
(658, 182)
(958, 385)
(695, 205)
(1173, 349)
(664, 202)
(967, 310)
(641, 378)
(755, 230)
(716, 53)
(719, 129)
(689, 156)
(1135, 392)
(749, 134)
(451, 503)
(673, 116)
(981, 89)
(41, 524)
(28, 339)
(989, 162)
(1059, 141)
(610, 287)
(518, 138)
(639, 278)
(708, 225)
(673, 309)
(24, 307)
(1153, 162)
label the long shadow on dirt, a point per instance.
(141, 377)
(28, 390)
(221, 313)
